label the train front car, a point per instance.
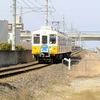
(50, 46)
(44, 44)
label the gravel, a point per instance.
(27, 84)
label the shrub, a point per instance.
(8, 46)
(19, 47)
(5, 46)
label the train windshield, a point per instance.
(52, 39)
(44, 39)
(36, 39)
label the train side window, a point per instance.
(36, 39)
(52, 39)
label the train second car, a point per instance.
(50, 45)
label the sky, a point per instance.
(82, 15)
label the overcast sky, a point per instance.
(84, 15)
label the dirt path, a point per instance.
(86, 74)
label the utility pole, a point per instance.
(55, 24)
(21, 14)
(63, 23)
(71, 30)
(14, 26)
(46, 23)
(80, 39)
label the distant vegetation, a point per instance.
(7, 46)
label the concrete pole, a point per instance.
(14, 25)
(63, 23)
(21, 14)
(46, 13)
(80, 40)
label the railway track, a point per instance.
(18, 69)
(76, 52)
(23, 68)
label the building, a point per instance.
(3, 31)
(17, 37)
(24, 35)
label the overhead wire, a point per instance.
(39, 2)
(58, 16)
(29, 11)
(37, 10)
(40, 10)
(32, 9)
(33, 4)
(55, 13)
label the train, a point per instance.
(49, 45)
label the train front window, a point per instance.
(52, 39)
(44, 39)
(36, 39)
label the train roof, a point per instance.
(45, 28)
(48, 28)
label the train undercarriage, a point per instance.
(44, 57)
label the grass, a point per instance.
(86, 95)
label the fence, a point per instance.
(15, 57)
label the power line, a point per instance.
(39, 2)
(34, 4)
(40, 10)
(46, 23)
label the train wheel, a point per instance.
(39, 61)
(53, 60)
